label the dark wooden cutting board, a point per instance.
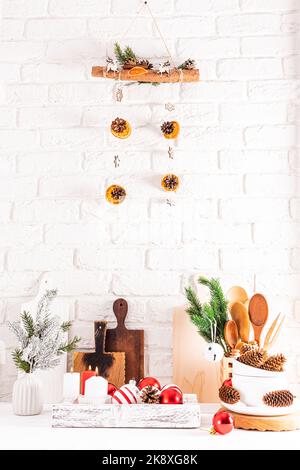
(129, 341)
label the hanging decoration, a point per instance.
(170, 182)
(115, 194)
(120, 128)
(170, 129)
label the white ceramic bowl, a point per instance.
(253, 383)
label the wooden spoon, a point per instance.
(239, 314)
(258, 313)
(237, 294)
(231, 334)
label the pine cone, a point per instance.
(150, 394)
(229, 394)
(145, 63)
(278, 398)
(129, 64)
(119, 125)
(274, 363)
(167, 127)
(170, 181)
(253, 358)
(188, 64)
(118, 193)
(247, 347)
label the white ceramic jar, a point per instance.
(27, 397)
(253, 383)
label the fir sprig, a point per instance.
(204, 315)
(124, 55)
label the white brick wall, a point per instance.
(237, 214)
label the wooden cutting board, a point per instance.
(191, 372)
(129, 341)
(266, 423)
(110, 365)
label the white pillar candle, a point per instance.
(96, 386)
(71, 385)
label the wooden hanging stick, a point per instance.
(174, 76)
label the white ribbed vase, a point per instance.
(27, 399)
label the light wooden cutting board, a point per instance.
(191, 372)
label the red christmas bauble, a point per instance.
(227, 383)
(149, 381)
(125, 395)
(170, 396)
(111, 388)
(223, 422)
(168, 386)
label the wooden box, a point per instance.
(126, 416)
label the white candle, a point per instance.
(71, 385)
(96, 386)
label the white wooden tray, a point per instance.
(126, 416)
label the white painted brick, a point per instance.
(46, 211)
(76, 283)
(186, 162)
(8, 337)
(131, 7)
(18, 139)
(185, 113)
(20, 235)
(160, 310)
(269, 5)
(2, 311)
(210, 48)
(213, 91)
(81, 93)
(18, 284)
(79, 138)
(253, 113)
(283, 283)
(111, 27)
(283, 234)
(94, 308)
(21, 51)
(271, 185)
(160, 365)
(212, 185)
(11, 29)
(154, 50)
(48, 117)
(49, 163)
(8, 117)
(245, 69)
(271, 46)
(143, 137)
(80, 8)
(70, 186)
(7, 163)
(254, 209)
(217, 233)
(274, 90)
(212, 137)
(184, 209)
(187, 27)
(146, 283)
(5, 211)
(214, 6)
(291, 22)
(10, 72)
(78, 49)
(76, 234)
(103, 161)
(293, 113)
(18, 187)
(103, 116)
(53, 72)
(136, 209)
(110, 259)
(144, 94)
(182, 259)
(270, 136)
(255, 260)
(297, 310)
(158, 338)
(295, 208)
(295, 259)
(40, 259)
(2, 258)
(253, 161)
(248, 25)
(20, 95)
(290, 66)
(146, 233)
(55, 29)
(23, 8)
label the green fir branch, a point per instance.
(19, 362)
(28, 323)
(69, 346)
(65, 326)
(124, 55)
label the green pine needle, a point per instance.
(20, 364)
(65, 326)
(69, 346)
(28, 323)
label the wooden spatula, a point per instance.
(231, 334)
(240, 315)
(258, 314)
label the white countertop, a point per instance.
(35, 432)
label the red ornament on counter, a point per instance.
(146, 381)
(222, 423)
(171, 396)
(111, 388)
(227, 383)
(168, 386)
(85, 375)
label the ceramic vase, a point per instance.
(27, 397)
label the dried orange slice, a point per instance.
(135, 71)
(170, 129)
(120, 128)
(115, 194)
(170, 182)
